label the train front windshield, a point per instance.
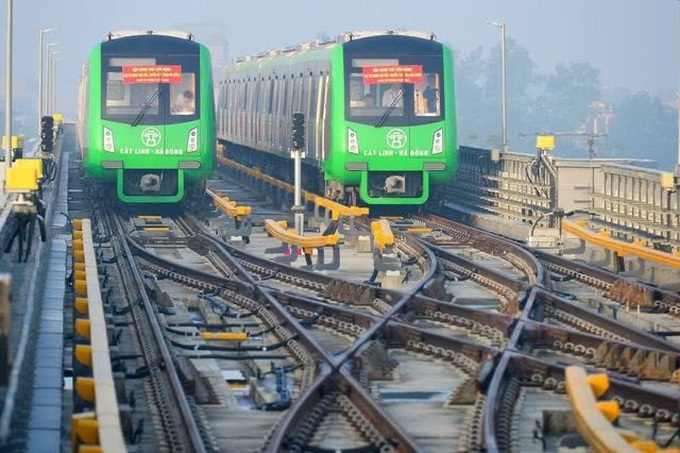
(394, 80)
(150, 90)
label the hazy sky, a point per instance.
(634, 43)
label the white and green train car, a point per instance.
(146, 116)
(379, 108)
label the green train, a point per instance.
(380, 115)
(146, 116)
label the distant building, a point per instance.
(600, 116)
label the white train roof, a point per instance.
(345, 37)
(116, 34)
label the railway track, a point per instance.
(462, 358)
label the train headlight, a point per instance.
(192, 142)
(438, 142)
(108, 141)
(352, 142)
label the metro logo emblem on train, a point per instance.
(396, 138)
(151, 137)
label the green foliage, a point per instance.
(644, 127)
(536, 102)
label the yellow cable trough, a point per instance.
(622, 248)
(279, 230)
(336, 209)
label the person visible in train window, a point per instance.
(431, 94)
(392, 95)
(186, 105)
(368, 100)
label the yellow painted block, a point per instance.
(82, 306)
(78, 224)
(17, 142)
(610, 409)
(76, 419)
(545, 142)
(79, 267)
(226, 336)
(80, 287)
(85, 388)
(79, 256)
(36, 164)
(83, 327)
(80, 275)
(83, 354)
(21, 179)
(419, 230)
(77, 244)
(86, 431)
(667, 180)
(605, 233)
(599, 383)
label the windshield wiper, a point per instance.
(145, 108)
(389, 110)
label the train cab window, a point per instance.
(393, 81)
(427, 102)
(182, 95)
(126, 90)
(150, 90)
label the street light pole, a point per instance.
(8, 99)
(48, 75)
(51, 83)
(41, 72)
(504, 117)
(677, 165)
(54, 84)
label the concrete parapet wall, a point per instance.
(626, 195)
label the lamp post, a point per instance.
(8, 99)
(48, 82)
(52, 83)
(504, 117)
(41, 72)
(677, 165)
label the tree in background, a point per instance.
(568, 93)
(644, 127)
(557, 102)
(478, 92)
(474, 109)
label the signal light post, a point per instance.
(297, 153)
